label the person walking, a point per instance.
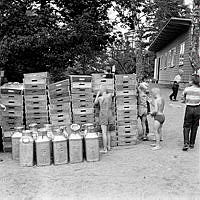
(191, 97)
(175, 85)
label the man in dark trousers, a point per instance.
(192, 113)
(175, 85)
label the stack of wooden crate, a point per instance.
(12, 98)
(99, 81)
(60, 103)
(35, 94)
(82, 99)
(126, 108)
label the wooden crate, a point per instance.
(127, 107)
(35, 98)
(126, 93)
(33, 113)
(60, 116)
(7, 146)
(123, 113)
(38, 120)
(83, 96)
(35, 103)
(12, 113)
(61, 121)
(81, 90)
(125, 87)
(11, 91)
(125, 78)
(36, 108)
(60, 100)
(38, 75)
(7, 125)
(126, 101)
(61, 93)
(11, 97)
(80, 85)
(127, 130)
(60, 106)
(35, 86)
(126, 122)
(12, 118)
(127, 140)
(59, 85)
(12, 102)
(34, 92)
(82, 104)
(80, 78)
(84, 111)
(83, 119)
(60, 111)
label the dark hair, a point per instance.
(195, 79)
(108, 69)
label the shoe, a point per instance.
(185, 147)
(156, 148)
(191, 146)
(153, 145)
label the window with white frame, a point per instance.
(173, 57)
(181, 54)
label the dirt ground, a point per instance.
(133, 172)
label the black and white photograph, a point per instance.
(99, 99)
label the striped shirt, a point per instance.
(192, 95)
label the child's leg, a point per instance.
(143, 121)
(160, 132)
(157, 134)
(104, 132)
(109, 140)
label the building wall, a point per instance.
(167, 73)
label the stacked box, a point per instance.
(60, 103)
(12, 98)
(99, 80)
(82, 99)
(35, 95)
(1, 77)
(126, 108)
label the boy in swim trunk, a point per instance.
(106, 116)
(159, 116)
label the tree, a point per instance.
(195, 44)
(155, 13)
(54, 36)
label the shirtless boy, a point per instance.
(159, 116)
(106, 116)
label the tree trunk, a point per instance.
(195, 44)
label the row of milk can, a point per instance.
(46, 144)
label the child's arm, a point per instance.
(155, 108)
(97, 98)
(3, 107)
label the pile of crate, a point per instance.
(12, 98)
(60, 103)
(35, 95)
(126, 108)
(99, 81)
(82, 99)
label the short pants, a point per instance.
(160, 118)
(106, 118)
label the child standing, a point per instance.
(159, 116)
(142, 108)
(106, 116)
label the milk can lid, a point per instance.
(75, 127)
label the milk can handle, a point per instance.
(25, 140)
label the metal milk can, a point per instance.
(26, 149)
(75, 145)
(15, 142)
